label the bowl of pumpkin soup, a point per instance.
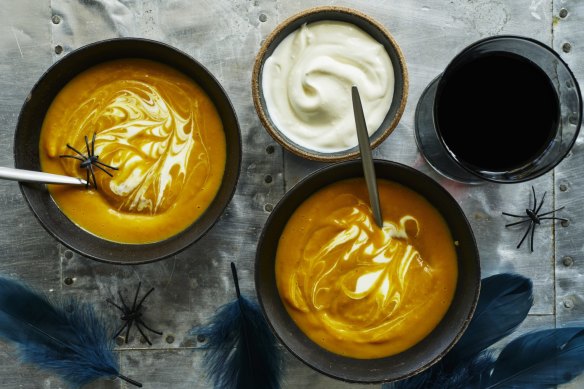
(358, 302)
(153, 133)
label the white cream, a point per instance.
(307, 83)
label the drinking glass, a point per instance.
(445, 161)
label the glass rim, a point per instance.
(499, 176)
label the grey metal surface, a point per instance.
(224, 35)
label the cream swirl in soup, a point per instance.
(359, 290)
(307, 81)
(148, 130)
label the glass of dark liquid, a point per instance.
(506, 109)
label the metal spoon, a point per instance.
(366, 157)
(7, 173)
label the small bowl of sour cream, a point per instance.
(302, 78)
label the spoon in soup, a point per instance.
(21, 175)
(366, 158)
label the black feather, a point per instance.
(504, 302)
(67, 339)
(242, 351)
(541, 359)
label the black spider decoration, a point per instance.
(89, 161)
(533, 217)
(133, 315)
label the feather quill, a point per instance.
(241, 350)
(69, 339)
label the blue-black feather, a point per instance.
(504, 302)
(242, 352)
(541, 359)
(68, 339)
(467, 375)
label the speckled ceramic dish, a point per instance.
(365, 23)
(415, 359)
(26, 149)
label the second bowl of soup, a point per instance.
(359, 302)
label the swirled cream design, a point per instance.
(355, 276)
(307, 80)
(150, 133)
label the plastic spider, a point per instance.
(89, 161)
(533, 217)
(133, 315)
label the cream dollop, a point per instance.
(307, 83)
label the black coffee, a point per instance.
(497, 112)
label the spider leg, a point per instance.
(119, 331)
(136, 297)
(514, 224)
(87, 145)
(106, 165)
(534, 199)
(129, 322)
(103, 170)
(532, 233)
(144, 298)
(87, 180)
(77, 151)
(114, 304)
(555, 210)
(525, 235)
(553, 218)
(143, 334)
(541, 203)
(72, 156)
(126, 308)
(511, 214)
(148, 328)
(93, 144)
(93, 176)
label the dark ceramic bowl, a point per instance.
(367, 24)
(421, 355)
(26, 149)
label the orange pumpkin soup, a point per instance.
(153, 123)
(359, 290)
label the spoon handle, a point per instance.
(366, 157)
(7, 173)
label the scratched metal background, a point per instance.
(225, 35)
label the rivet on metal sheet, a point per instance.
(263, 18)
(169, 339)
(268, 179)
(68, 281)
(56, 19)
(563, 187)
(567, 261)
(268, 207)
(569, 304)
(270, 149)
(563, 13)
(58, 49)
(566, 47)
